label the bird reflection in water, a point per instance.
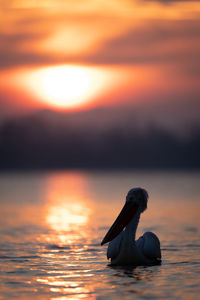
(129, 278)
(138, 273)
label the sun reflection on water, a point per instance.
(67, 217)
(67, 213)
(68, 221)
(75, 290)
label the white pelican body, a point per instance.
(123, 249)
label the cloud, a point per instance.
(148, 42)
(156, 41)
(91, 33)
(152, 42)
(58, 30)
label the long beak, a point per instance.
(125, 216)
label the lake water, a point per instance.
(52, 223)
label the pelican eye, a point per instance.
(131, 198)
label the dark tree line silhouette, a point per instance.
(36, 143)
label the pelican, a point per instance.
(123, 249)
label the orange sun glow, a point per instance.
(68, 86)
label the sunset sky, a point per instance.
(92, 63)
(119, 51)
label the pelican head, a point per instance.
(138, 196)
(136, 201)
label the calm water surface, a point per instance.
(51, 226)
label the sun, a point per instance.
(64, 86)
(68, 86)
